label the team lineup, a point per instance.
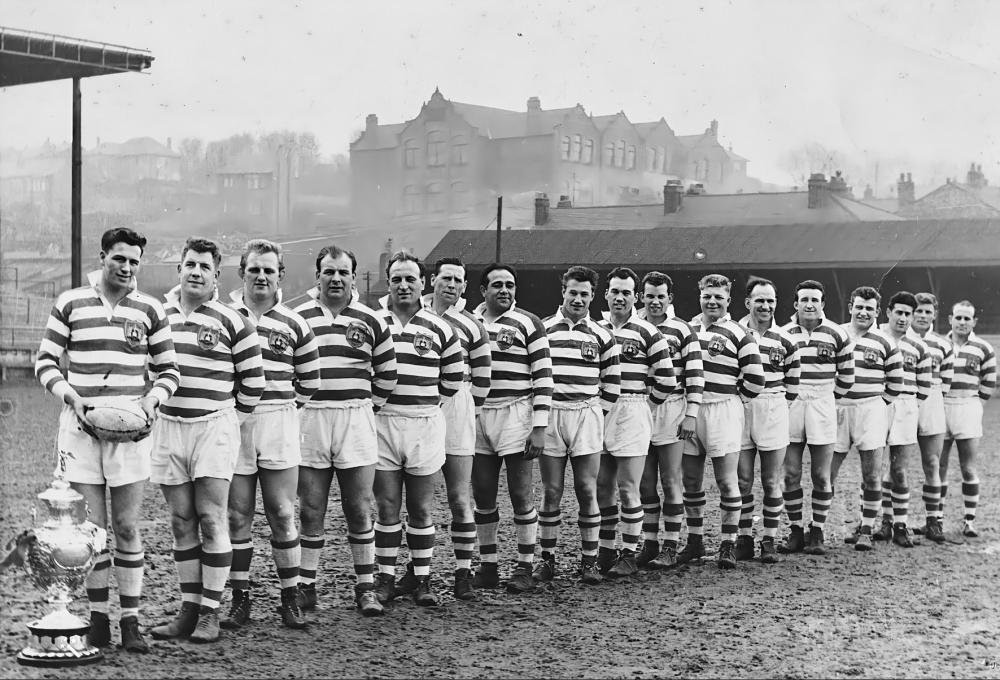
(251, 391)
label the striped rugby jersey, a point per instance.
(942, 369)
(357, 359)
(289, 350)
(730, 358)
(825, 356)
(585, 361)
(521, 363)
(109, 349)
(644, 355)
(975, 365)
(475, 344)
(685, 353)
(779, 357)
(878, 365)
(428, 361)
(219, 358)
(916, 365)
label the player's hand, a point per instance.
(536, 443)
(81, 407)
(687, 428)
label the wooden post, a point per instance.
(76, 182)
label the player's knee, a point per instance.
(126, 532)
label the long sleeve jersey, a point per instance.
(825, 356)
(916, 366)
(779, 357)
(585, 361)
(878, 366)
(975, 364)
(685, 353)
(942, 362)
(475, 345)
(644, 355)
(730, 358)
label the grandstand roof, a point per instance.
(31, 57)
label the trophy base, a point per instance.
(58, 640)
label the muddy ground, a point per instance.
(933, 611)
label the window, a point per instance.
(630, 157)
(574, 154)
(412, 200)
(620, 153)
(459, 150)
(609, 154)
(410, 150)
(435, 149)
(435, 197)
(564, 149)
(588, 151)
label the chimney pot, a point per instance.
(371, 121)
(904, 190)
(714, 128)
(817, 190)
(673, 196)
(541, 209)
(534, 104)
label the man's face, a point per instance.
(656, 299)
(449, 283)
(405, 282)
(119, 265)
(577, 296)
(335, 279)
(261, 276)
(863, 313)
(924, 317)
(500, 290)
(761, 303)
(809, 304)
(963, 319)
(714, 302)
(198, 275)
(900, 317)
(621, 295)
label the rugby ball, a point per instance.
(117, 420)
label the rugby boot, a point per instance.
(969, 529)
(625, 566)
(385, 587)
(132, 640)
(207, 629)
(606, 558)
(589, 572)
(650, 550)
(366, 600)
(521, 581)
(694, 549)
(796, 541)
(667, 558)
(852, 538)
(239, 611)
(422, 594)
(744, 548)
(884, 532)
(768, 553)
(181, 627)
(901, 536)
(545, 568)
(933, 531)
(487, 576)
(408, 583)
(815, 543)
(99, 634)
(289, 610)
(463, 585)
(727, 555)
(307, 596)
(864, 542)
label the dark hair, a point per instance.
(448, 260)
(624, 273)
(903, 297)
(403, 256)
(809, 283)
(124, 235)
(927, 299)
(655, 278)
(714, 281)
(484, 278)
(260, 246)
(759, 281)
(203, 245)
(581, 274)
(335, 252)
(865, 293)
(964, 303)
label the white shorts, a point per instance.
(273, 441)
(930, 418)
(765, 422)
(504, 430)
(92, 461)
(629, 426)
(964, 418)
(414, 445)
(185, 450)
(718, 430)
(667, 419)
(812, 418)
(863, 423)
(460, 422)
(339, 434)
(903, 422)
(575, 429)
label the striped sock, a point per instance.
(388, 538)
(590, 527)
(650, 517)
(746, 515)
(821, 501)
(487, 522)
(311, 547)
(363, 555)
(98, 581)
(673, 516)
(694, 510)
(631, 527)
(871, 499)
(187, 560)
(526, 530)
(944, 492)
(773, 506)
(548, 529)
(421, 543)
(129, 569)
(287, 557)
(730, 506)
(932, 499)
(239, 574)
(609, 527)
(970, 495)
(900, 504)
(214, 571)
(793, 505)
(887, 499)
(463, 540)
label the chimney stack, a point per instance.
(534, 104)
(838, 185)
(371, 122)
(673, 196)
(541, 209)
(904, 189)
(817, 190)
(714, 128)
(564, 202)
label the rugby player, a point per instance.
(411, 430)
(732, 367)
(510, 430)
(974, 380)
(673, 421)
(110, 333)
(647, 379)
(586, 376)
(448, 283)
(196, 440)
(765, 419)
(270, 451)
(827, 373)
(357, 375)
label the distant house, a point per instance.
(256, 190)
(973, 199)
(38, 178)
(133, 161)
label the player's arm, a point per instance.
(610, 371)
(305, 361)
(50, 352)
(694, 374)
(793, 369)
(248, 365)
(925, 370)
(384, 367)
(480, 360)
(947, 369)
(987, 373)
(162, 362)
(661, 377)
(845, 365)
(540, 365)
(751, 381)
(895, 375)
(451, 364)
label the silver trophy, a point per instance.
(58, 559)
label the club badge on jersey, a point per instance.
(909, 360)
(630, 348)
(279, 341)
(824, 352)
(972, 365)
(135, 331)
(356, 335)
(505, 338)
(871, 357)
(777, 356)
(422, 343)
(588, 350)
(717, 345)
(674, 345)
(208, 336)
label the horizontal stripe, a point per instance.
(730, 358)
(428, 359)
(975, 369)
(878, 366)
(825, 356)
(644, 356)
(585, 361)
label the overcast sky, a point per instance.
(910, 85)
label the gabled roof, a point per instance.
(950, 200)
(137, 146)
(645, 129)
(248, 164)
(690, 140)
(384, 137)
(503, 123)
(888, 244)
